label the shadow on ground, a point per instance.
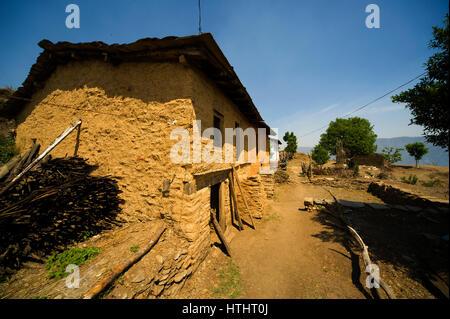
(410, 242)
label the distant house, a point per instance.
(130, 97)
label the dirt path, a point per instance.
(286, 257)
(291, 255)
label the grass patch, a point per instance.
(412, 179)
(432, 183)
(230, 285)
(87, 234)
(134, 248)
(57, 263)
(7, 149)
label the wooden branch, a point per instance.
(97, 289)
(5, 169)
(242, 193)
(77, 143)
(220, 234)
(40, 157)
(365, 249)
(233, 196)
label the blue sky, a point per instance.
(304, 63)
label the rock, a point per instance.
(443, 209)
(377, 206)
(320, 201)
(156, 291)
(308, 201)
(180, 276)
(413, 209)
(180, 253)
(350, 204)
(139, 277)
(329, 178)
(400, 207)
(159, 259)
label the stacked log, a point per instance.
(52, 206)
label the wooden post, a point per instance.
(40, 157)
(222, 219)
(220, 234)
(233, 195)
(77, 144)
(242, 193)
(97, 289)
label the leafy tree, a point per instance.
(417, 150)
(428, 100)
(291, 141)
(320, 155)
(356, 134)
(392, 156)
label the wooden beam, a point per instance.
(220, 234)
(97, 289)
(233, 194)
(222, 217)
(242, 193)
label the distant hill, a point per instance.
(436, 155)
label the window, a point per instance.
(218, 124)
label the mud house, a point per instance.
(130, 97)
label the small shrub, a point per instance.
(383, 175)
(355, 170)
(134, 248)
(7, 149)
(412, 179)
(57, 263)
(281, 176)
(432, 183)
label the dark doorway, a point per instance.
(214, 200)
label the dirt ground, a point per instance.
(294, 253)
(297, 253)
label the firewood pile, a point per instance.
(54, 205)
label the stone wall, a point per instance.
(397, 196)
(373, 159)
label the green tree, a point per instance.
(391, 155)
(428, 100)
(320, 155)
(291, 141)
(416, 150)
(356, 134)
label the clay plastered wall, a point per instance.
(207, 98)
(133, 146)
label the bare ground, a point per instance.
(294, 253)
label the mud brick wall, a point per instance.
(148, 100)
(268, 181)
